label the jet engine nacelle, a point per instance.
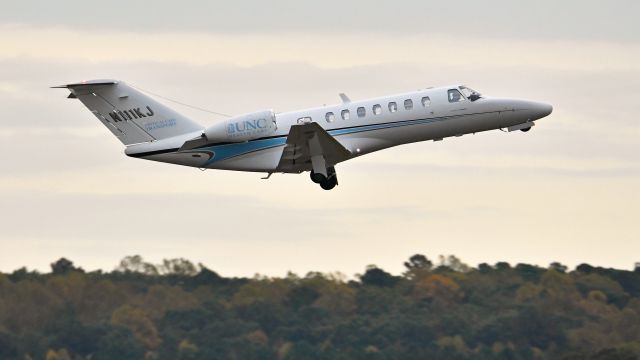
(243, 128)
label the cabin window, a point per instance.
(377, 109)
(345, 114)
(408, 104)
(426, 101)
(362, 112)
(330, 117)
(393, 107)
(304, 120)
(454, 96)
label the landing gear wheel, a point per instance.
(329, 183)
(525, 129)
(317, 178)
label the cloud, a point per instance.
(322, 50)
(502, 19)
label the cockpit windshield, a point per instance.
(470, 93)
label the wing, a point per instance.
(307, 140)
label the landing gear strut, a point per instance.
(326, 182)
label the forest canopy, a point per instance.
(442, 309)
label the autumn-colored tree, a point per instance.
(178, 310)
(439, 288)
(139, 323)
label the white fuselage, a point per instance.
(387, 121)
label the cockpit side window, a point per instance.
(454, 96)
(470, 93)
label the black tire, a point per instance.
(317, 178)
(329, 183)
(525, 129)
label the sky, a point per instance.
(566, 191)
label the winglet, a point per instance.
(345, 98)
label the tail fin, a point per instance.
(130, 115)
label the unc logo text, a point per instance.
(241, 127)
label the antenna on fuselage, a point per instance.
(345, 98)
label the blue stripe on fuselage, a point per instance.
(227, 151)
(223, 152)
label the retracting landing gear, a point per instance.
(320, 172)
(326, 182)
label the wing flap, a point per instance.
(296, 156)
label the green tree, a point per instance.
(418, 265)
(179, 266)
(63, 266)
(136, 264)
(119, 344)
(558, 267)
(177, 310)
(301, 296)
(375, 276)
(614, 354)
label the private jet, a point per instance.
(313, 140)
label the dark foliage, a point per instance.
(178, 310)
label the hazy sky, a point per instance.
(566, 191)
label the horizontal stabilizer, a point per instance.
(86, 83)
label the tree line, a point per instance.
(442, 310)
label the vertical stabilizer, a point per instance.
(130, 115)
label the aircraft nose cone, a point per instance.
(540, 110)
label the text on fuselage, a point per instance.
(130, 114)
(256, 126)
